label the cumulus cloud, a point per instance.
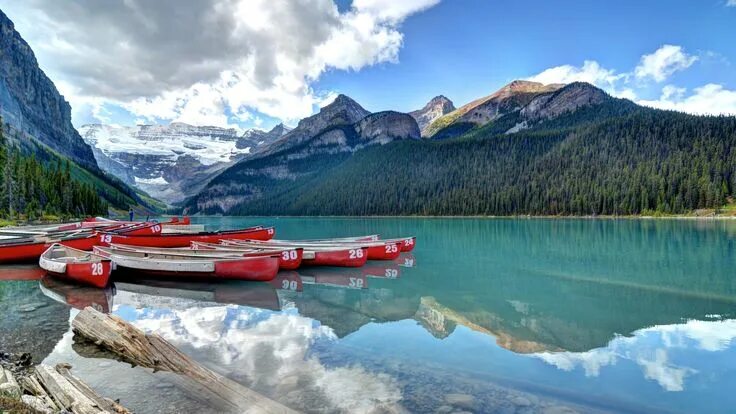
(265, 350)
(648, 349)
(207, 62)
(665, 61)
(710, 99)
(591, 72)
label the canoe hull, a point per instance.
(251, 268)
(340, 258)
(85, 274)
(30, 252)
(184, 240)
(388, 251)
(95, 272)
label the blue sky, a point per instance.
(465, 49)
(253, 64)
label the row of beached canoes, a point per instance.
(246, 254)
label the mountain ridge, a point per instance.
(172, 161)
(321, 141)
(30, 101)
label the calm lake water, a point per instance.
(486, 315)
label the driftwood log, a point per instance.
(53, 390)
(152, 351)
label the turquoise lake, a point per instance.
(485, 315)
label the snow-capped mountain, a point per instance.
(171, 162)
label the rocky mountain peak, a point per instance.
(279, 130)
(567, 98)
(345, 106)
(435, 108)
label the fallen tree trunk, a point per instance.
(152, 351)
(71, 394)
(53, 390)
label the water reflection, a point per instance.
(516, 315)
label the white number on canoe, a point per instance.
(391, 248)
(105, 238)
(270, 231)
(356, 253)
(392, 273)
(408, 242)
(289, 255)
(356, 283)
(288, 285)
(96, 269)
(156, 229)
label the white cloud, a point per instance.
(731, 3)
(265, 349)
(665, 61)
(648, 349)
(215, 59)
(591, 72)
(710, 99)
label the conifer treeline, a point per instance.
(640, 162)
(30, 188)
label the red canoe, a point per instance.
(76, 265)
(317, 256)
(261, 268)
(184, 240)
(289, 259)
(31, 251)
(377, 250)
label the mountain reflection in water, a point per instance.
(513, 315)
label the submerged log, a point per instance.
(152, 351)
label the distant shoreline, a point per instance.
(493, 217)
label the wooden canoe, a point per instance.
(76, 265)
(262, 268)
(318, 255)
(184, 240)
(289, 259)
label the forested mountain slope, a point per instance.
(36, 122)
(612, 158)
